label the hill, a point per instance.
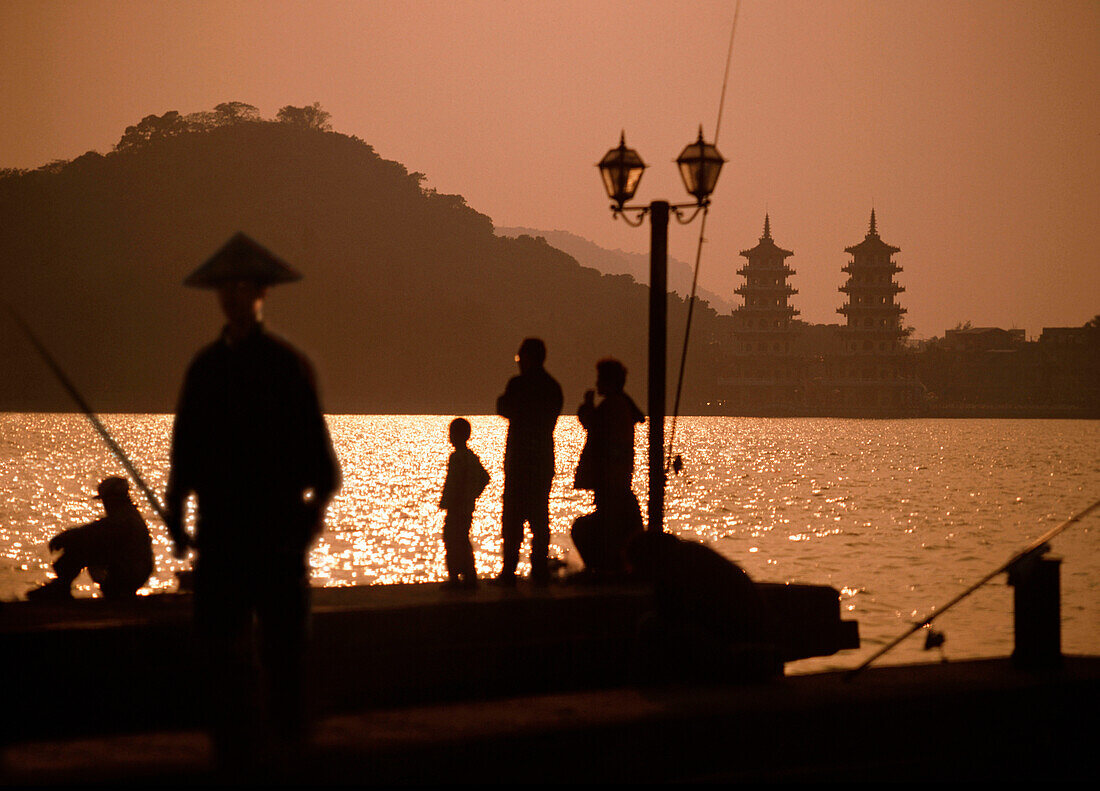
(410, 302)
(620, 262)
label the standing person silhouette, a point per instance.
(466, 480)
(606, 467)
(531, 402)
(250, 442)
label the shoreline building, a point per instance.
(776, 365)
(766, 367)
(874, 375)
(768, 363)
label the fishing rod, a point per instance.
(119, 453)
(699, 252)
(1037, 547)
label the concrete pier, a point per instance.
(131, 665)
(969, 721)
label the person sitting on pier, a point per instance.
(466, 480)
(606, 467)
(116, 550)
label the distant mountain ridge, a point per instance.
(409, 303)
(620, 262)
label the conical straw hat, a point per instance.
(241, 258)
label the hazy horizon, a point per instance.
(969, 127)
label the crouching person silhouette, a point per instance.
(116, 550)
(466, 480)
(250, 442)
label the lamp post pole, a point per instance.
(621, 169)
(658, 310)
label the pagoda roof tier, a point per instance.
(766, 247)
(871, 309)
(781, 288)
(862, 330)
(757, 268)
(871, 288)
(758, 310)
(872, 243)
(755, 331)
(877, 266)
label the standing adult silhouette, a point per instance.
(531, 402)
(606, 467)
(250, 442)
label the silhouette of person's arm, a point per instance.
(481, 478)
(587, 410)
(507, 402)
(181, 461)
(451, 484)
(75, 539)
(323, 469)
(174, 499)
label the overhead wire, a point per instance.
(699, 252)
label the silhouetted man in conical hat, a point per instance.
(250, 442)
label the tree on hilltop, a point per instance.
(235, 112)
(153, 127)
(310, 117)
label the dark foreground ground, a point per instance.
(412, 684)
(960, 721)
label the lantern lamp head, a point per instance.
(621, 169)
(700, 164)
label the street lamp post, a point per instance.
(621, 169)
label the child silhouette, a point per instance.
(466, 480)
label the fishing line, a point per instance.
(699, 252)
(1036, 547)
(115, 448)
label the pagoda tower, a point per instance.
(765, 377)
(874, 372)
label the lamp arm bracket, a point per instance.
(640, 213)
(682, 217)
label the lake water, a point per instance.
(898, 515)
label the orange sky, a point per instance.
(972, 127)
